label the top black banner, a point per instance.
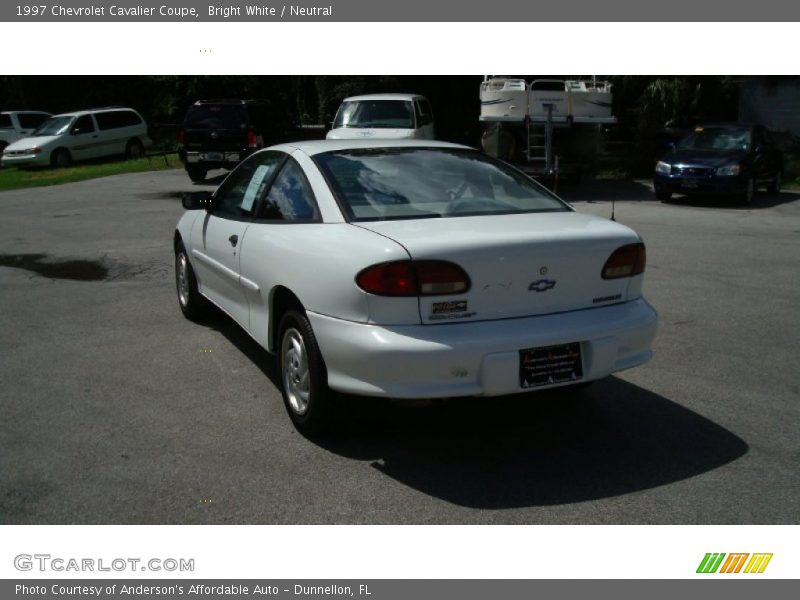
(405, 11)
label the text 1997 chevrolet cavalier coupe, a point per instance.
(411, 269)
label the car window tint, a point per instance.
(31, 120)
(117, 118)
(5, 122)
(290, 198)
(216, 116)
(84, 124)
(239, 192)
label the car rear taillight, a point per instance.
(181, 136)
(625, 261)
(252, 140)
(413, 278)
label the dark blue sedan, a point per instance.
(720, 159)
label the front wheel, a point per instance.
(663, 196)
(60, 158)
(308, 400)
(746, 197)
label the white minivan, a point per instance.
(383, 116)
(81, 135)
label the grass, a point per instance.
(14, 179)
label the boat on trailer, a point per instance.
(520, 120)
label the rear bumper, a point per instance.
(216, 159)
(477, 359)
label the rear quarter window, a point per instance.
(117, 119)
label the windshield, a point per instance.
(54, 126)
(378, 114)
(221, 116)
(418, 183)
(717, 138)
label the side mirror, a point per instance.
(75, 131)
(760, 149)
(671, 146)
(198, 200)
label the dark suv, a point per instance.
(218, 134)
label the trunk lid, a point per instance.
(519, 265)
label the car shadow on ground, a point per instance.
(539, 449)
(601, 191)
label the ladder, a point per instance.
(540, 140)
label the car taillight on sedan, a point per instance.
(626, 261)
(414, 278)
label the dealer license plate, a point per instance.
(550, 364)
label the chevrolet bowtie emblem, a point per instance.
(542, 285)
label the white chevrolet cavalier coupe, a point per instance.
(411, 269)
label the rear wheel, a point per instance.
(193, 305)
(308, 400)
(196, 173)
(134, 149)
(60, 158)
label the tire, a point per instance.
(304, 378)
(60, 158)
(777, 183)
(134, 149)
(197, 174)
(746, 197)
(664, 196)
(193, 306)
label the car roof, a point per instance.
(383, 97)
(87, 111)
(313, 147)
(34, 112)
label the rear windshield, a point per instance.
(717, 138)
(54, 126)
(379, 114)
(220, 116)
(418, 183)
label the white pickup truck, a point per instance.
(17, 124)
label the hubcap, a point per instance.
(183, 280)
(296, 376)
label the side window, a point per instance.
(237, 195)
(424, 114)
(290, 198)
(84, 124)
(31, 120)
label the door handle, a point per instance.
(234, 239)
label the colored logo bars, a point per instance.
(733, 563)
